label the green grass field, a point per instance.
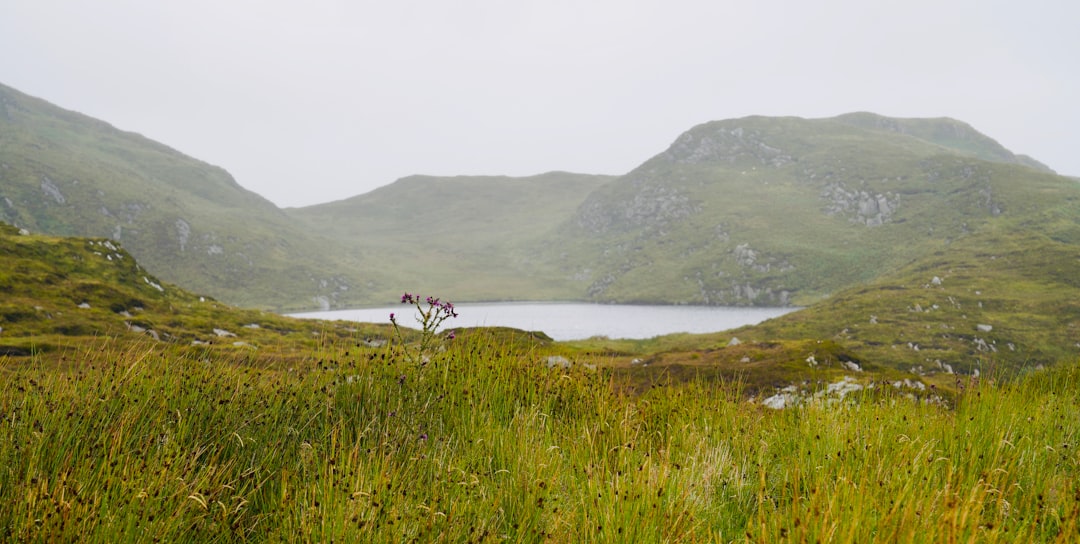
(144, 443)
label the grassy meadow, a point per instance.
(142, 442)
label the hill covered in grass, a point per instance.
(66, 174)
(60, 296)
(778, 211)
(468, 236)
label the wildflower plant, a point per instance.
(430, 318)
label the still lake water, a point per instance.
(576, 321)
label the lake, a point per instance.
(575, 321)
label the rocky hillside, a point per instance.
(777, 211)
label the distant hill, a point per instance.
(948, 133)
(467, 236)
(777, 211)
(64, 173)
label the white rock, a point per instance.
(557, 360)
(776, 402)
(153, 284)
(984, 328)
(843, 387)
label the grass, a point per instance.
(140, 443)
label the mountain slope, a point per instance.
(774, 211)
(467, 237)
(997, 305)
(63, 294)
(64, 173)
(945, 132)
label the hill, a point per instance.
(467, 236)
(778, 211)
(66, 174)
(65, 295)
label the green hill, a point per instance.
(67, 174)
(466, 236)
(775, 211)
(63, 295)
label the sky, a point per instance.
(314, 101)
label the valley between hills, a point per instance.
(918, 247)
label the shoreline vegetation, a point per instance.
(483, 443)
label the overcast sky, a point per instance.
(313, 101)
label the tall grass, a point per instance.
(486, 444)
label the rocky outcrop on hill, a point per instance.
(860, 206)
(653, 204)
(726, 142)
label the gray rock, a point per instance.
(557, 361)
(183, 232)
(51, 190)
